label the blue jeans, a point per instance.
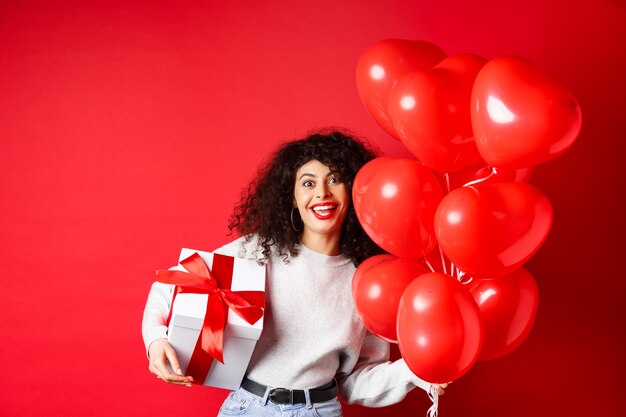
(244, 403)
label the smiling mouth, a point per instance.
(324, 211)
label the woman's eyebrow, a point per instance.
(308, 174)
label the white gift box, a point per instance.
(240, 337)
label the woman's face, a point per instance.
(322, 200)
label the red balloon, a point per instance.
(430, 110)
(369, 263)
(398, 208)
(440, 330)
(490, 230)
(377, 286)
(508, 306)
(382, 65)
(363, 178)
(521, 118)
(484, 174)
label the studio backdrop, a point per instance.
(128, 130)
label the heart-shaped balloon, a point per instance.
(521, 117)
(490, 230)
(377, 286)
(430, 110)
(363, 178)
(508, 306)
(380, 67)
(398, 208)
(440, 330)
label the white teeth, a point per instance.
(321, 208)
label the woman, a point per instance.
(296, 218)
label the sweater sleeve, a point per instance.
(375, 381)
(154, 323)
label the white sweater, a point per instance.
(311, 331)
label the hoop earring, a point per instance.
(292, 223)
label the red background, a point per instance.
(127, 132)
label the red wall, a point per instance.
(127, 132)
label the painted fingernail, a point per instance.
(179, 372)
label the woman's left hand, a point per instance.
(440, 388)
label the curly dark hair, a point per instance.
(265, 205)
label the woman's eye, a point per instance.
(307, 183)
(334, 180)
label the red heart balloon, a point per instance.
(398, 208)
(440, 330)
(508, 306)
(377, 286)
(520, 117)
(363, 178)
(490, 230)
(380, 67)
(430, 110)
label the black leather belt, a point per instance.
(319, 394)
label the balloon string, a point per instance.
(443, 261)
(428, 263)
(461, 276)
(494, 171)
(433, 411)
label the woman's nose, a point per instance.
(322, 191)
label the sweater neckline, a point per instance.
(322, 259)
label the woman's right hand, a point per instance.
(160, 352)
